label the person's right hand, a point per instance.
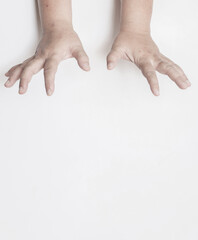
(54, 47)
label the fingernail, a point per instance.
(188, 82)
(110, 66)
(21, 90)
(86, 66)
(185, 84)
(49, 92)
(157, 93)
(7, 84)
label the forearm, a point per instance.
(136, 15)
(55, 14)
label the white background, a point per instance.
(103, 158)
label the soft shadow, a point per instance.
(116, 18)
(114, 28)
(115, 21)
(38, 20)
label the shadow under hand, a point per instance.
(38, 20)
(116, 18)
(114, 26)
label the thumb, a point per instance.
(82, 59)
(113, 58)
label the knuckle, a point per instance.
(168, 67)
(180, 76)
(38, 57)
(47, 69)
(143, 61)
(111, 57)
(43, 53)
(23, 74)
(50, 68)
(117, 50)
(77, 48)
(50, 63)
(160, 64)
(24, 80)
(23, 77)
(54, 57)
(156, 61)
(150, 73)
(27, 70)
(144, 55)
(83, 57)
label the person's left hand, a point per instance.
(141, 50)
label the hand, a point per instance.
(54, 47)
(141, 50)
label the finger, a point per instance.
(14, 73)
(9, 72)
(149, 72)
(31, 68)
(14, 77)
(82, 59)
(174, 72)
(113, 58)
(50, 69)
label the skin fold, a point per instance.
(134, 43)
(59, 42)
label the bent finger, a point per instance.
(174, 72)
(31, 68)
(9, 72)
(113, 58)
(149, 72)
(14, 77)
(82, 59)
(50, 69)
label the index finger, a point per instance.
(149, 72)
(50, 69)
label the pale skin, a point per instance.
(59, 42)
(134, 43)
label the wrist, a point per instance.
(136, 16)
(60, 26)
(134, 28)
(135, 32)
